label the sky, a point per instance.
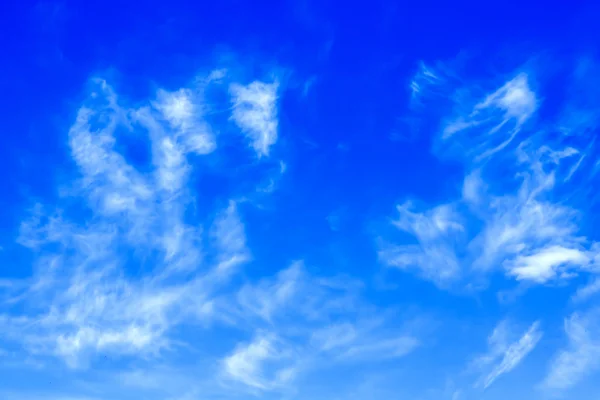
(299, 200)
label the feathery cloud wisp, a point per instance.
(503, 355)
(122, 278)
(255, 112)
(582, 355)
(510, 220)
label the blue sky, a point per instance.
(299, 200)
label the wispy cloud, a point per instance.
(111, 280)
(424, 79)
(255, 112)
(290, 317)
(382, 349)
(500, 114)
(581, 357)
(257, 364)
(230, 239)
(437, 232)
(508, 214)
(146, 282)
(542, 265)
(504, 355)
(360, 341)
(585, 292)
(126, 265)
(267, 298)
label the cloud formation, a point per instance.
(128, 267)
(508, 216)
(438, 232)
(187, 254)
(121, 264)
(255, 112)
(504, 355)
(581, 357)
(247, 364)
(301, 321)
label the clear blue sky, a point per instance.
(299, 200)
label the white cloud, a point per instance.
(382, 349)
(585, 292)
(581, 357)
(302, 321)
(119, 280)
(423, 80)
(500, 116)
(534, 238)
(258, 364)
(335, 336)
(504, 355)
(113, 187)
(515, 98)
(472, 189)
(544, 264)
(359, 342)
(184, 111)
(255, 112)
(516, 226)
(230, 239)
(267, 298)
(508, 214)
(437, 231)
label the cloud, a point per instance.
(513, 102)
(334, 336)
(581, 357)
(247, 364)
(533, 237)
(515, 98)
(504, 355)
(266, 298)
(382, 349)
(360, 342)
(425, 78)
(437, 232)
(255, 112)
(518, 225)
(127, 266)
(126, 262)
(542, 265)
(140, 262)
(473, 188)
(298, 321)
(585, 292)
(184, 111)
(230, 239)
(510, 214)
(120, 276)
